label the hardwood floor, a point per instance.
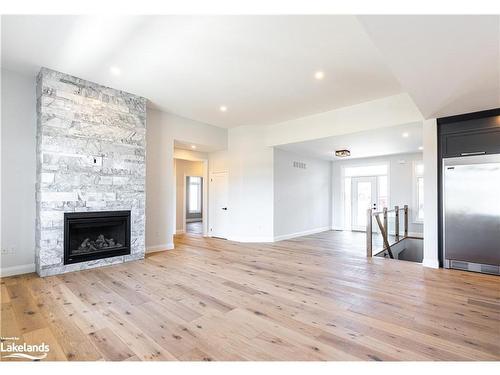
(195, 227)
(310, 298)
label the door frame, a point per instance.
(205, 209)
(211, 213)
(358, 163)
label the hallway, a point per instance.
(195, 227)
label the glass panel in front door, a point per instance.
(364, 196)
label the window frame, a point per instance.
(415, 192)
(200, 194)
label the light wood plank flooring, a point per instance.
(195, 227)
(311, 298)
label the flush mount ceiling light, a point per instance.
(421, 148)
(342, 153)
(115, 70)
(405, 135)
(223, 108)
(319, 75)
(193, 147)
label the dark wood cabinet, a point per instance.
(468, 135)
(476, 142)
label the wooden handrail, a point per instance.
(384, 228)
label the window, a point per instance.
(369, 170)
(194, 195)
(419, 192)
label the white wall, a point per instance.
(162, 129)
(18, 135)
(430, 194)
(218, 161)
(401, 186)
(184, 168)
(250, 166)
(302, 197)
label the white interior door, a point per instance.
(220, 221)
(363, 196)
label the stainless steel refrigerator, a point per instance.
(471, 213)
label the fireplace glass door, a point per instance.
(96, 235)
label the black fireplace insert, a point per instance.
(96, 235)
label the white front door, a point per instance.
(363, 196)
(220, 222)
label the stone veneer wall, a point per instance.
(91, 145)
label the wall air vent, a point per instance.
(488, 268)
(475, 267)
(459, 265)
(299, 164)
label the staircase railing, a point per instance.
(384, 228)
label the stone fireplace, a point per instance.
(91, 172)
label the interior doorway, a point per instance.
(190, 195)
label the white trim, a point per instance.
(250, 239)
(156, 248)
(431, 263)
(211, 212)
(300, 234)
(17, 270)
(205, 207)
(180, 231)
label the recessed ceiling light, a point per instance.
(115, 70)
(223, 108)
(319, 75)
(193, 147)
(421, 148)
(405, 135)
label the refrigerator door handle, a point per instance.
(473, 153)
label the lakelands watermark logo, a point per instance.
(34, 352)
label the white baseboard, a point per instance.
(155, 248)
(250, 239)
(301, 234)
(431, 263)
(17, 270)
(180, 231)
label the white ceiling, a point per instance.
(262, 67)
(378, 142)
(448, 64)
